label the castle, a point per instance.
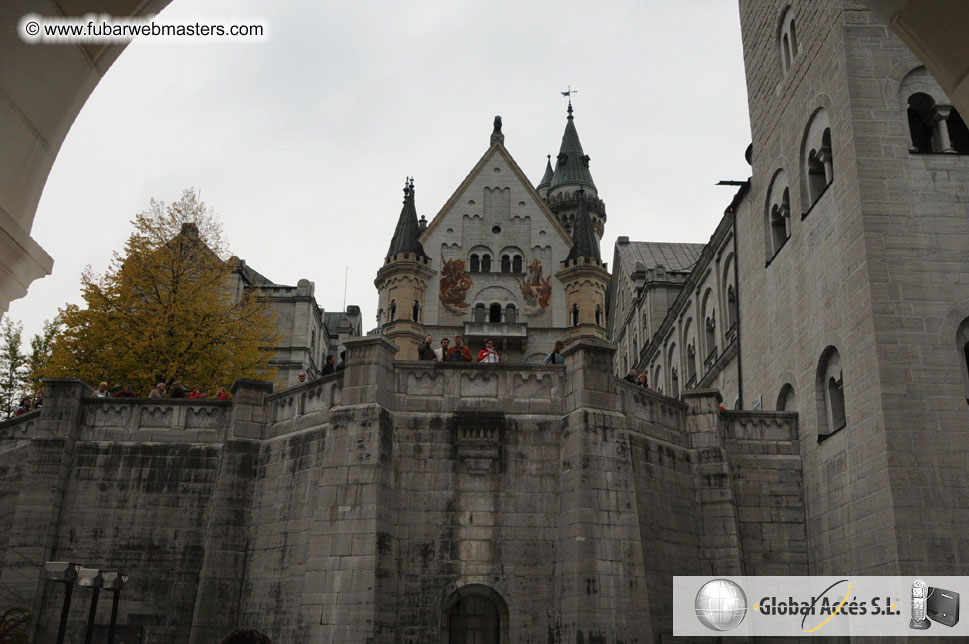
(809, 372)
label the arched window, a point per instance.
(475, 613)
(475, 264)
(393, 310)
(731, 307)
(646, 326)
(505, 264)
(598, 315)
(380, 316)
(416, 311)
(709, 325)
(786, 400)
(778, 214)
(658, 378)
(933, 124)
(830, 394)
(480, 313)
(516, 264)
(486, 263)
(786, 40)
(494, 313)
(575, 314)
(690, 363)
(674, 382)
(511, 314)
(817, 163)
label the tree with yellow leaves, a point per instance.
(168, 308)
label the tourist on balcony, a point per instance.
(425, 351)
(488, 355)
(301, 377)
(102, 391)
(459, 352)
(556, 356)
(342, 364)
(222, 395)
(24, 406)
(178, 391)
(158, 391)
(441, 352)
(125, 392)
(643, 381)
(632, 376)
(196, 393)
(330, 366)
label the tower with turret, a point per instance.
(402, 280)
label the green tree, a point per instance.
(169, 307)
(13, 367)
(41, 349)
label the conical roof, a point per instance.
(572, 164)
(547, 177)
(584, 241)
(407, 235)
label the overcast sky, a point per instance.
(301, 142)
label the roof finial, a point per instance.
(569, 92)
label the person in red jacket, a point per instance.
(488, 355)
(459, 352)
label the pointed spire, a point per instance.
(547, 177)
(572, 164)
(584, 241)
(407, 235)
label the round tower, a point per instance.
(401, 282)
(584, 275)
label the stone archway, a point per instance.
(39, 99)
(474, 614)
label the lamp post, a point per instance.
(114, 581)
(64, 572)
(91, 577)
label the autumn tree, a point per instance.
(13, 367)
(167, 308)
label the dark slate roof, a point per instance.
(584, 240)
(572, 165)
(547, 177)
(673, 257)
(332, 319)
(407, 235)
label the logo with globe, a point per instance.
(721, 605)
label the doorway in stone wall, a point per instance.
(475, 614)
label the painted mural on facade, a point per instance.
(455, 283)
(536, 289)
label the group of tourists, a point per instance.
(637, 379)
(460, 352)
(29, 404)
(161, 390)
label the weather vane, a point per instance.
(569, 92)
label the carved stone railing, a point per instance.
(304, 405)
(17, 429)
(448, 386)
(148, 419)
(651, 412)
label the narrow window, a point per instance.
(711, 335)
(475, 264)
(830, 394)
(731, 307)
(690, 362)
(787, 53)
(598, 315)
(494, 314)
(517, 264)
(393, 310)
(416, 313)
(486, 263)
(505, 264)
(920, 122)
(480, 314)
(575, 314)
(793, 42)
(958, 133)
(674, 382)
(511, 314)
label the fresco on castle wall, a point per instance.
(454, 285)
(536, 289)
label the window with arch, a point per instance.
(598, 315)
(658, 378)
(933, 124)
(475, 613)
(393, 310)
(575, 314)
(787, 48)
(817, 164)
(480, 314)
(731, 306)
(494, 313)
(516, 264)
(511, 314)
(962, 346)
(786, 400)
(416, 311)
(674, 382)
(505, 264)
(709, 325)
(777, 217)
(486, 263)
(474, 264)
(691, 362)
(830, 394)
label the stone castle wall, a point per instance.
(366, 505)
